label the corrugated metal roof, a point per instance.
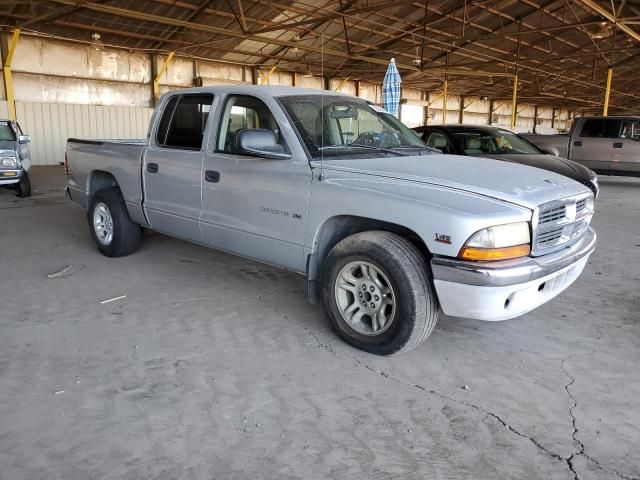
(565, 47)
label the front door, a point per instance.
(625, 155)
(172, 166)
(253, 206)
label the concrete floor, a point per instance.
(215, 367)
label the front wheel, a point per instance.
(378, 294)
(23, 189)
(111, 228)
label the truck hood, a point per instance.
(552, 163)
(518, 184)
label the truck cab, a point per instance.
(388, 232)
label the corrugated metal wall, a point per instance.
(4, 109)
(50, 124)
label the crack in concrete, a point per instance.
(574, 433)
(566, 460)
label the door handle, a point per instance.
(577, 143)
(212, 176)
(152, 167)
(618, 145)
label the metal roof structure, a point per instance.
(562, 50)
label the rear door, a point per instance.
(592, 145)
(625, 155)
(172, 166)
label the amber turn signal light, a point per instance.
(490, 254)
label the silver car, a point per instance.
(15, 158)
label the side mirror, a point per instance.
(259, 142)
(24, 138)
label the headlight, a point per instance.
(8, 162)
(501, 242)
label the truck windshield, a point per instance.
(478, 142)
(6, 132)
(337, 126)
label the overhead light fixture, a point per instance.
(484, 98)
(601, 30)
(489, 81)
(96, 44)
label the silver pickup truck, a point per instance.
(607, 145)
(386, 231)
(15, 158)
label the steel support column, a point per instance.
(444, 99)
(514, 102)
(605, 110)
(8, 81)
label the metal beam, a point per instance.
(611, 17)
(8, 81)
(156, 80)
(125, 13)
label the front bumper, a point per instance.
(510, 288)
(9, 177)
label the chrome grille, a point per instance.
(558, 223)
(553, 214)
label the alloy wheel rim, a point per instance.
(365, 298)
(103, 223)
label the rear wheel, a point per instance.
(112, 229)
(378, 294)
(23, 188)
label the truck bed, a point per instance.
(93, 163)
(560, 142)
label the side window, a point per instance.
(600, 128)
(241, 112)
(184, 121)
(438, 141)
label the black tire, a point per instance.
(126, 234)
(23, 188)
(416, 305)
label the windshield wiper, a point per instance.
(367, 147)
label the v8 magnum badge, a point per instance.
(440, 237)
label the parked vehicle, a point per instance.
(501, 144)
(321, 184)
(608, 145)
(15, 159)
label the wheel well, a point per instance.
(337, 228)
(100, 180)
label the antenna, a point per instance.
(322, 107)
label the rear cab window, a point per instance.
(630, 129)
(184, 121)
